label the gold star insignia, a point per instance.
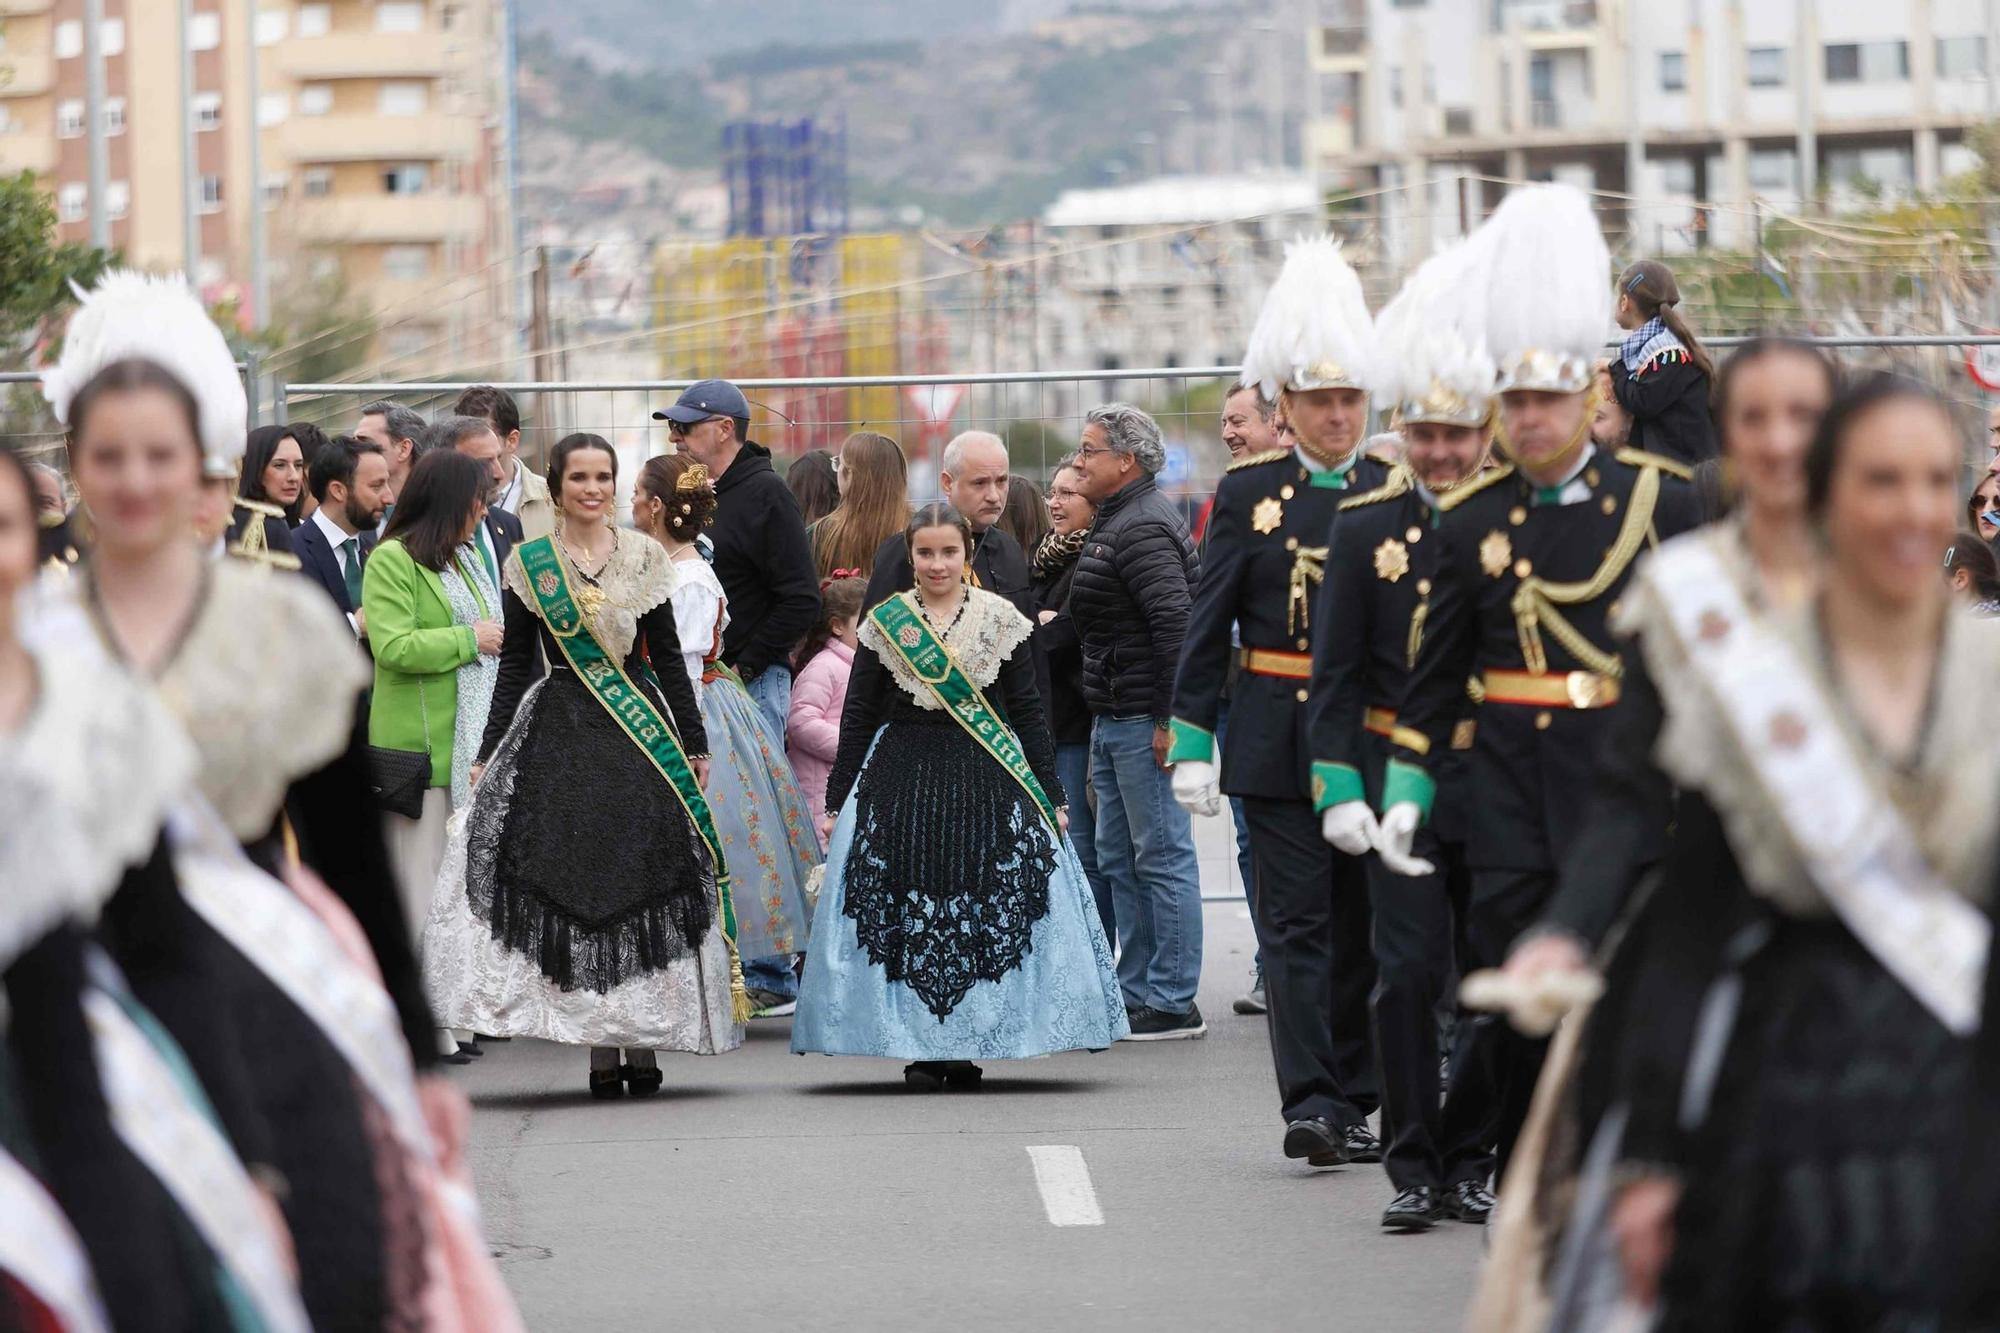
(1268, 514)
(1392, 560)
(1495, 553)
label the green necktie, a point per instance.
(350, 560)
(485, 540)
(1549, 495)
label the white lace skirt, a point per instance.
(478, 983)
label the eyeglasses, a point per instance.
(1092, 451)
(679, 428)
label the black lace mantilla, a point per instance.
(950, 867)
(578, 856)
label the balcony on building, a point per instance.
(1549, 25)
(26, 74)
(26, 150)
(365, 55)
(388, 219)
(370, 138)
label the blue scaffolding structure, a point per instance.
(786, 178)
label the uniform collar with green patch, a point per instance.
(1572, 489)
(1336, 478)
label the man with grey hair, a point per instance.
(398, 432)
(1129, 600)
(476, 439)
(973, 476)
(1249, 422)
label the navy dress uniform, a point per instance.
(1264, 560)
(1520, 600)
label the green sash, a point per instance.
(910, 635)
(548, 579)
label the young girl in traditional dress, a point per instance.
(955, 922)
(583, 900)
(768, 838)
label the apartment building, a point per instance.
(379, 124)
(1726, 102)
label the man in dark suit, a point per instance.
(350, 481)
(476, 439)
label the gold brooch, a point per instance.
(1267, 515)
(1495, 553)
(1392, 560)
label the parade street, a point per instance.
(765, 1190)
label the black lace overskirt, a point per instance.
(950, 866)
(579, 855)
(1814, 1193)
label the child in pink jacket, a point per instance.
(812, 729)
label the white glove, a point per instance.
(1196, 787)
(1349, 826)
(1394, 835)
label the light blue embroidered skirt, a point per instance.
(762, 818)
(1061, 995)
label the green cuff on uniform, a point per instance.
(1333, 784)
(1189, 742)
(1407, 782)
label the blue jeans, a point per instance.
(1145, 851)
(1073, 768)
(771, 974)
(772, 692)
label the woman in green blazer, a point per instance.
(433, 625)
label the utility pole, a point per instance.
(541, 340)
(190, 161)
(100, 152)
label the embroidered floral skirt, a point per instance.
(953, 924)
(761, 816)
(576, 902)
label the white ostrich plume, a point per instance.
(1314, 331)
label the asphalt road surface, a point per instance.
(1142, 1188)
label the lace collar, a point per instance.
(1950, 796)
(86, 783)
(983, 637)
(638, 576)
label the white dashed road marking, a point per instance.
(1063, 1179)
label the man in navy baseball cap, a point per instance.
(705, 401)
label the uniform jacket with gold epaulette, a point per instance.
(1262, 562)
(1525, 582)
(1368, 623)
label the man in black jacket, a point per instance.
(350, 480)
(1130, 597)
(476, 439)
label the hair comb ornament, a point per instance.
(693, 479)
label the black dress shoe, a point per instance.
(606, 1084)
(1316, 1140)
(456, 1058)
(1415, 1209)
(962, 1075)
(924, 1076)
(1469, 1201)
(470, 1050)
(1362, 1145)
(643, 1082)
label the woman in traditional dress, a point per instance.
(1836, 835)
(768, 839)
(1770, 398)
(955, 922)
(583, 900)
(265, 678)
(96, 1114)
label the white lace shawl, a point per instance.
(638, 577)
(982, 641)
(86, 784)
(1951, 802)
(470, 593)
